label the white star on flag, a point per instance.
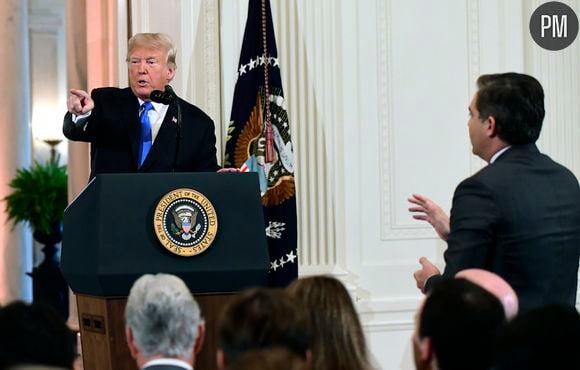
(274, 265)
(291, 256)
(253, 63)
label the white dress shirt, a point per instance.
(168, 361)
(498, 153)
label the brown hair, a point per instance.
(157, 41)
(337, 339)
(262, 318)
(275, 358)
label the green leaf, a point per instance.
(39, 196)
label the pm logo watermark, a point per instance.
(554, 25)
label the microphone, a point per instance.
(168, 97)
(164, 97)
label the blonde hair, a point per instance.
(336, 335)
(157, 41)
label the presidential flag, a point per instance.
(259, 139)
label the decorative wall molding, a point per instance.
(388, 314)
(388, 326)
(389, 231)
(473, 57)
(559, 74)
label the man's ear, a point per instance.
(220, 359)
(200, 338)
(170, 72)
(131, 342)
(491, 128)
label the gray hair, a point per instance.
(159, 41)
(163, 316)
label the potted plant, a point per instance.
(39, 197)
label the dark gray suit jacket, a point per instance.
(520, 218)
(113, 129)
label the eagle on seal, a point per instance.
(185, 217)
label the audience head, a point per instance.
(163, 320)
(269, 359)
(456, 327)
(545, 338)
(34, 334)
(261, 319)
(496, 286)
(508, 109)
(516, 101)
(336, 336)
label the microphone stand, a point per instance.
(168, 97)
(178, 134)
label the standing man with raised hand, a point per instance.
(519, 216)
(130, 133)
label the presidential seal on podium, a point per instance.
(185, 222)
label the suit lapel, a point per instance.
(131, 119)
(164, 143)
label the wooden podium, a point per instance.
(109, 242)
(103, 339)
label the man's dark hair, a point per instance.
(34, 334)
(516, 101)
(262, 318)
(462, 320)
(545, 338)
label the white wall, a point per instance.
(48, 74)
(377, 96)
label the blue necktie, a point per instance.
(146, 136)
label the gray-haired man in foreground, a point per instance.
(163, 323)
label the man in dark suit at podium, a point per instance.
(520, 215)
(164, 327)
(130, 133)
